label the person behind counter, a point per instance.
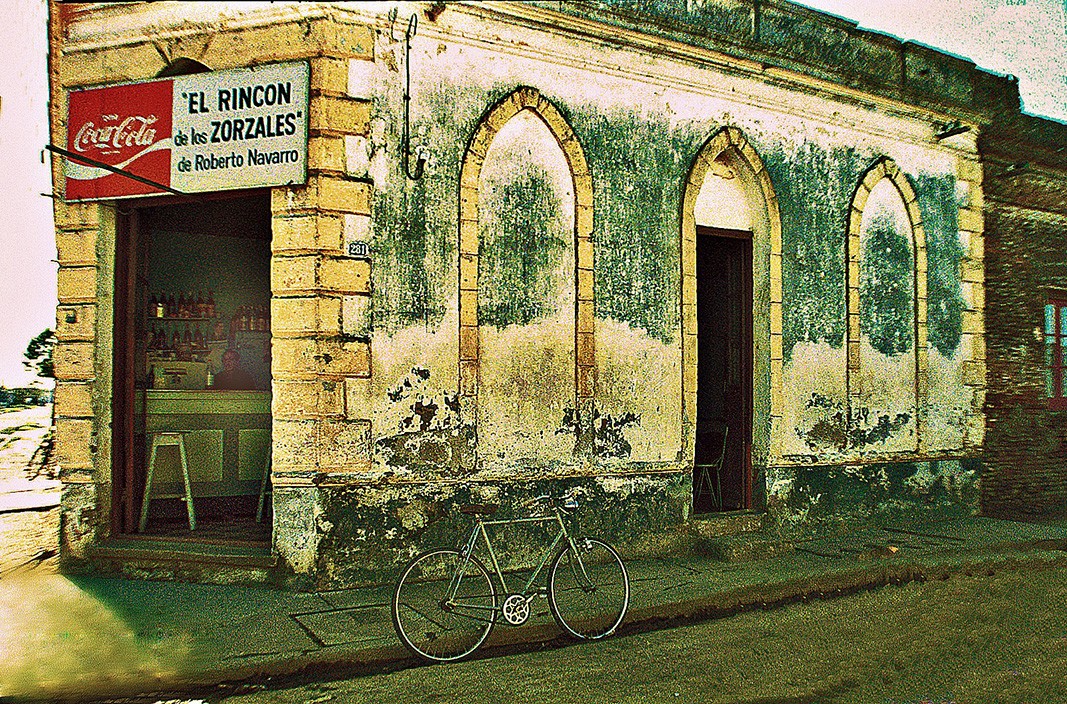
(233, 376)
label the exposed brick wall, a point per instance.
(1026, 230)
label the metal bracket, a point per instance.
(112, 169)
(420, 155)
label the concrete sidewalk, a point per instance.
(84, 637)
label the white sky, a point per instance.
(1027, 38)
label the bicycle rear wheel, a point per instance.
(444, 605)
(588, 590)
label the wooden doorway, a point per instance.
(724, 371)
(124, 433)
(192, 286)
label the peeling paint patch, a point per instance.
(884, 412)
(813, 417)
(829, 428)
(430, 439)
(609, 440)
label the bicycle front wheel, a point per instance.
(588, 589)
(444, 605)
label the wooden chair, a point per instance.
(711, 453)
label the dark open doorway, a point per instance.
(724, 372)
(191, 436)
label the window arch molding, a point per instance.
(524, 98)
(182, 66)
(885, 168)
(731, 144)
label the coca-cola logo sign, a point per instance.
(109, 139)
(204, 132)
(128, 127)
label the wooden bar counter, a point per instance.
(226, 436)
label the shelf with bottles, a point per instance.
(250, 318)
(195, 306)
(189, 341)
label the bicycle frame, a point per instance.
(480, 529)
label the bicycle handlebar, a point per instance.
(566, 502)
(530, 503)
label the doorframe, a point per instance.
(728, 145)
(748, 352)
(123, 392)
(127, 487)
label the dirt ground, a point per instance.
(26, 533)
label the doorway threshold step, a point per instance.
(714, 525)
(163, 549)
(181, 561)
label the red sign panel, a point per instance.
(201, 132)
(128, 127)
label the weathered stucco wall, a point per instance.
(520, 325)
(640, 128)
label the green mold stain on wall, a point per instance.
(814, 186)
(886, 287)
(402, 290)
(415, 222)
(638, 164)
(522, 241)
(938, 206)
(896, 489)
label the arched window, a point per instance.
(526, 352)
(886, 368)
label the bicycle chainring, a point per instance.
(516, 609)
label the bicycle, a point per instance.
(445, 603)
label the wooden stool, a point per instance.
(163, 440)
(263, 491)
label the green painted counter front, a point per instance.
(226, 436)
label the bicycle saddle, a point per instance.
(479, 509)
